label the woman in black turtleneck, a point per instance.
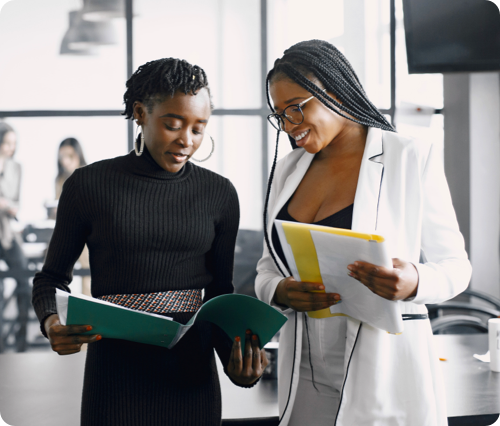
(154, 223)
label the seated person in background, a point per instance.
(155, 224)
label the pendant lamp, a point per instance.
(103, 10)
(84, 35)
(72, 34)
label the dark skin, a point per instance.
(173, 131)
(329, 186)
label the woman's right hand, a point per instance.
(303, 296)
(67, 339)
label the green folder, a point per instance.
(233, 313)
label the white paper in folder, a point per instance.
(334, 253)
(317, 253)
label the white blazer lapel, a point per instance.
(289, 187)
(365, 213)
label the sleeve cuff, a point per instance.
(42, 322)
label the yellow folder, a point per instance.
(299, 238)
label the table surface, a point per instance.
(42, 388)
(471, 387)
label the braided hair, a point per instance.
(156, 80)
(317, 61)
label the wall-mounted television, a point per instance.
(452, 35)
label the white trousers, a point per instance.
(325, 350)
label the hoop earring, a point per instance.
(141, 149)
(209, 155)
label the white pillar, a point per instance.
(456, 147)
(472, 165)
(485, 181)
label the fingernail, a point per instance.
(336, 297)
(254, 337)
(350, 274)
(89, 327)
(350, 268)
(99, 337)
(237, 338)
(321, 287)
(249, 331)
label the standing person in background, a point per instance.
(158, 226)
(351, 170)
(69, 158)
(10, 244)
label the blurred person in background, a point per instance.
(69, 158)
(10, 243)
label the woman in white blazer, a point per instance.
(352, 170)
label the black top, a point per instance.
(147, 230)
(341, 219)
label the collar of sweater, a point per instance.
(145, 166)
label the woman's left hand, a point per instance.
(246, 369)
(393, 284)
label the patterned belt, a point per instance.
(161, 302)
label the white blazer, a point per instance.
(403, 195)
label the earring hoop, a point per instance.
(141, 149)
(209, 155)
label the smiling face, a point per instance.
(174, 128)
(320, 126)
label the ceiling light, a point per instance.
(103, 10)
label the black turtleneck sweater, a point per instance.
(147, 231)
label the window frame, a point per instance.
(263, 111)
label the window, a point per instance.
(47, 96)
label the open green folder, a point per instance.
(233, 313)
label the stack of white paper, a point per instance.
(333, 252)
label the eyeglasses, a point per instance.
(293, 113)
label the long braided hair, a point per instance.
(313, 61)
(156, 80)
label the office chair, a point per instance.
(462, 318)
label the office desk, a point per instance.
(472, 389)
(44, 389)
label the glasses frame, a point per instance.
(280, 117)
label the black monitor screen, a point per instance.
(452, 35)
